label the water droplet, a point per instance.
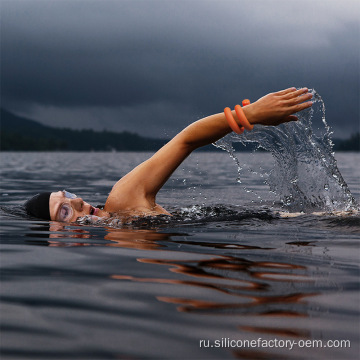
(304, 163)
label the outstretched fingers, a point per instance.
(298, 100)
(294, 101)
(294, 94)
(279, 107)
(286, 91)
(300, 107)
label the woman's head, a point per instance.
(59, 206)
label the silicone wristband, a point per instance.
(231, 121)
(242, 118)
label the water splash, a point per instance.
(217, 215)
(305, 175)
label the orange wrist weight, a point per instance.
(231, 121)
(244, 122)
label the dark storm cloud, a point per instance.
(158, 65)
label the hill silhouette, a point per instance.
(18, 133)
(21, 134)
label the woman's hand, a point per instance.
(277, 108)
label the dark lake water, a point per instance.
(228, 267)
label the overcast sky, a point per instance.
(153, 67)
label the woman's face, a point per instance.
(67, 207)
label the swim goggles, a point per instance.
(66, 212)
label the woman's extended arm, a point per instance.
(138, 188)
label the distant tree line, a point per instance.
(352, 144)
(20, 134)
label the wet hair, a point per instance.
(39, 206)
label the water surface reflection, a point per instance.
(260, 293)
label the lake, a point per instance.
(232, 275)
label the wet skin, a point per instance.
(79, 207)
(135, 193)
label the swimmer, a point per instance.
(135, 193)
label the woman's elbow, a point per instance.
(188, 140)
